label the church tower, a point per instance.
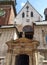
(7, 11)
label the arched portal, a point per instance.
(22, 51)
(22, 59)
(28, 30)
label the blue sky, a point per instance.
(39, 5)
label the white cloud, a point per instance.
(22, 4)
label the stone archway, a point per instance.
(22, 59)
(28, 31)
(22, 47)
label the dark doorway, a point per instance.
(29, 35)
(22, 59)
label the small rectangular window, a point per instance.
(28, 20)
(46, 38)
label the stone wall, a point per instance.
(39, 34)
(5, 35)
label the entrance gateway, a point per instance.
(22, 52)
(22, 59)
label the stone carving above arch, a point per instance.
(22, 45)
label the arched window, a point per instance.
(28, 30)
(23, 15)
(31, 14)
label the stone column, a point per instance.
(40, 59)
(8, 59)
(30, 59)
(34, 59)
(36, 56)
(13, 59)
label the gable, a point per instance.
(28, 15)
(30, 7)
